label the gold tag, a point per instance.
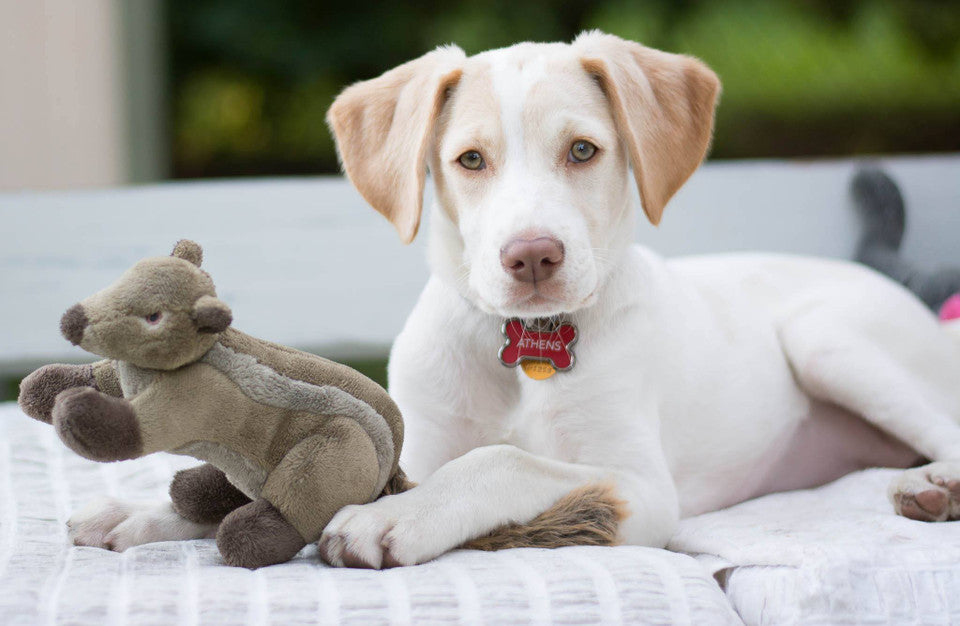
(538, 370)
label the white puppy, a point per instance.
(697, 383)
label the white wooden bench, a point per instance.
(304, 261)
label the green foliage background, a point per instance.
(251, 79)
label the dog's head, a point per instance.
(160, 314)
(530, 148)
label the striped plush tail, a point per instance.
(588, 516)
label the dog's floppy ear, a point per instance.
(211, 315)
(663, 106)
(383, 128)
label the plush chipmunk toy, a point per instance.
(289, 438)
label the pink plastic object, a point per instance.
(951, 308)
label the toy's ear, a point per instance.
(188, 251)
(211, 315)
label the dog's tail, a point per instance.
(882, 211)
(397, 483)
(588, 516)
(881, 208)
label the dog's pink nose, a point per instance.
(532, 260)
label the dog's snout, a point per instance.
(532, 260)
(72, 324)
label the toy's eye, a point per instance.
(154, 318)
(581, 151)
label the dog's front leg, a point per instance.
(481, 491)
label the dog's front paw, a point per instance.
(90, 525)
(97, 426)
(930, 493)
(390, 532)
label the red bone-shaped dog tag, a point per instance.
(525, 344)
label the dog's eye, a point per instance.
(582, 151)
(153, 318)
(472, 160)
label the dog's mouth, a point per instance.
(537, 302)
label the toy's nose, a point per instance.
(532, 260)
(72, 324)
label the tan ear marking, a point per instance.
(663, 105)
(188, 251)
(383, 128)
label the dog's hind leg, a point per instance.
(839, 365)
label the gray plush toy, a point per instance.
(289, 437)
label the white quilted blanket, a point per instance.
(833, 555)
(43, 580)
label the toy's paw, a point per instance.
(90, 525)
(203, 494)
(116, 525)
(97, 426)
(390, 532)
(930, 493)
(256, 535)
(39, 390)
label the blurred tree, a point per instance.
(251, 79)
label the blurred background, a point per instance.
(104, 92)
(107, 93)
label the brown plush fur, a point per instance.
(97, 426)
(204, 495)
(39, 390)
(256, 535)
(107, 379)
(315, 370)
(300, 435)
(72, 324)
(322, 474)
(588, 516)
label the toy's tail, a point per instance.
(881, 208)
(589, 516)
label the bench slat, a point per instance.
(305, 262)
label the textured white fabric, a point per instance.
(43, 580)
(833, 555)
